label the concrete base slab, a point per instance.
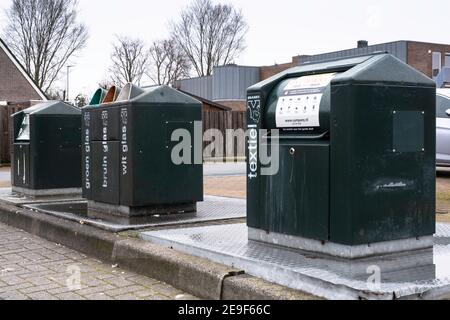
(212, 209)
(339, 250)
(104, 209)
(419, 274)
(8, 195)
(47, 192)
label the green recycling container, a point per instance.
(129, 163)
(356, 157)
(47, 149)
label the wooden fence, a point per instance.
(5, 130)
(224, 129)
(224, 134)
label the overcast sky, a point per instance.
(278, 29)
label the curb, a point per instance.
(246, 287)
(197, 276)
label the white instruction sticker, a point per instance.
(299, 111)
(299, 106)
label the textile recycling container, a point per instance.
(357, 149)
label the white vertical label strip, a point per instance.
(24, 168)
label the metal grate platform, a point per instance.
(212, 209)
(418, 274)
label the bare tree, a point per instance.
(56, 94)
(106, 84)
(210, 34)
(44, 35)
(129, 61)
(167, 62)
(81, 100)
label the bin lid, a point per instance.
(24, 130)
(111, 95)
(164, 94)
(129, 92)
(51, 108)
(385, 68)
(374, 68)
(98, 97)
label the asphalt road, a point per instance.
(210, 170)
(443, 171)
(5, 175)
(221, 170)
(225, 169)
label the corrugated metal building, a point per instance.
(228, 84)
(200, 86)
(397, 48)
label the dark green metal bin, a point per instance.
(357, 156)
(136, 171)
(47, 149)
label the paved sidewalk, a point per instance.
(5, 177)
(225, 169)
(34, 268)
(443, 195)
(231, 187)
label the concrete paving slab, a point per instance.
(422, 274)
(200, 277)
(44, 282)
(180, 270)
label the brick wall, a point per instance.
(269, 71)
(13, 85)
(420, 55)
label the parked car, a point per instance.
(443, 128)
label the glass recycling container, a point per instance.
(128, 168)
(47, 149)
(355, 160)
